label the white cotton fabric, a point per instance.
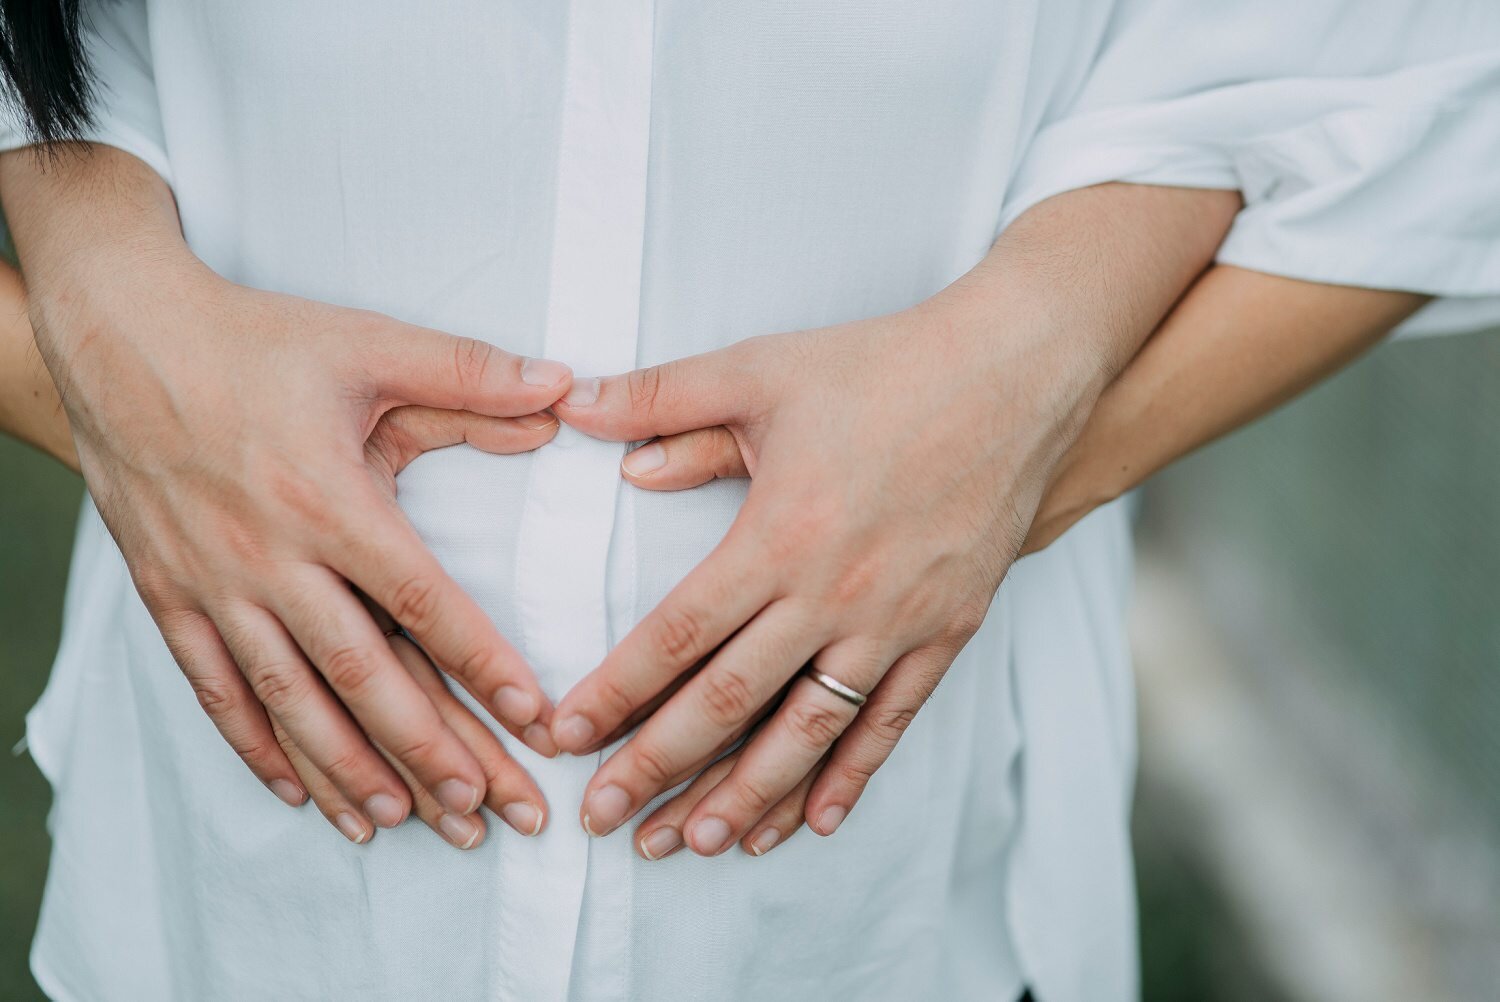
(626, 182)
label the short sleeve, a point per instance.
(125, 112)
(1365, 147)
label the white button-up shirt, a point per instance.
(614, 183)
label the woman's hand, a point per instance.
(399, 437)
(1238, 344)
(897, 463)
(223, 434)
(890, 494)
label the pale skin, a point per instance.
(224, 434)
(1190, 384)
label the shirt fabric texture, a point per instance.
(621, 183)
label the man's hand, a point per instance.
(223, 434)
(897, 464)
(399, 437)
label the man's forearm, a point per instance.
(1239, 344)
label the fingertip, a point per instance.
(584, 392)
(545, 373)
(527, 819)
(462, 831)
(539, 423)
(828, 820)
(573, 733)
(761, 842)
(538, 738)
(517, 706)
(658, 844)
(642, 463)
(287, 792)
(352, 828)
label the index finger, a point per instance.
(340, 638)
(716, 598)
(388, 562)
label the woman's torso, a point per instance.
(635, 184)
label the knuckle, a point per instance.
(280, 685)
(473, 665)
(645, 387)
(299, 495)
(652, 763)
(889, 723)
(680, 633)
(751, 796)
(727, 697)
(156, 591)
(614, 697)
(258, 753)
(346, 765)
(471, 362)
(853, 775)
(966, 621)
(218, 697)
(812, 726)
(414, 603)
(415, 749)
(350, 669)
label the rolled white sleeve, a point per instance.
(1366, 145)
(125, 111)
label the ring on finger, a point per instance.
(833, 685)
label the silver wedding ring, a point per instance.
(834, 686)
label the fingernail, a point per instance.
(710, 836)
(523, 818)
(536, 422)
(660, 842)
(583, 392)
(606, 808)
(385, 810)
(539, 739)
(830, 819)
(645, 460)
(764, 842)
(459, 830)
(289, 793)
(352, 828)
(516, 705)
(457, 797)
(574, 733)
(543, 372)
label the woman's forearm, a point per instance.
(1238, 345)
(30, 409)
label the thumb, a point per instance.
(702, 391)
(691, 459)
(404, 433)
(415, 365)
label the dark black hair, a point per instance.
(45, 68)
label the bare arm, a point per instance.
(1240, 344)
(897, 464)
(1235, 346)
(29, 406)
(224, 436)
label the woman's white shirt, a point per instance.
(620, 183)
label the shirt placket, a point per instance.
(593, 317)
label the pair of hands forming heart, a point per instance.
(241, 446)
(897, 465)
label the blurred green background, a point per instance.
(1349, 540)
(38, 505)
